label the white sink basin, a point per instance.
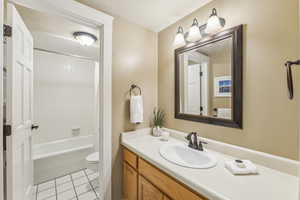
(185, 156)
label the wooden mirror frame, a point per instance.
(236, 33)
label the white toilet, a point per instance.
(92, 161)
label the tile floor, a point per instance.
(80, 185)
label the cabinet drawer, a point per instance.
(166, 184)
(130, 158)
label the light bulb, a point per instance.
(194, 32)
(214, 23)
(85, 39)
(179, 40)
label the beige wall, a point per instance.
(134, 61)
(270, 38)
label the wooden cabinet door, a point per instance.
(147, 191)
(130, 183)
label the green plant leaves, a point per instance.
(158, 117)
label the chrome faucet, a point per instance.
(193, 141)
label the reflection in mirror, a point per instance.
(205, 80)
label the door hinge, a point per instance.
(7, 30)
(7, 130)
(201, 73)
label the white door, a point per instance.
(193, 90)
(204, 87)
(19, 108)
(197, 100)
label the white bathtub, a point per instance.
(60, 157)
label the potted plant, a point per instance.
(158, 121)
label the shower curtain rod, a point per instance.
(64, 54)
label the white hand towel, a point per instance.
(249, 168)
(136, 109)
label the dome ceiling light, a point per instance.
(84, 38)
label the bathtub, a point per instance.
(60, 157)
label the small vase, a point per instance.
(156, 131)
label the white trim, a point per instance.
(86, 15)
(1, 99)
(105, 106)
(68, 8)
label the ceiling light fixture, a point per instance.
(214, 23)
(179, 40)
(194, 33)
(84, 38)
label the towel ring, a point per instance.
(133, 86)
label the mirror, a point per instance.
(209, 79)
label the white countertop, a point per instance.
(216, 183)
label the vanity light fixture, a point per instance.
(194, 32)
(214, 23)
(179, 40)
(84, 38)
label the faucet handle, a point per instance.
(189, 138)
(195, 141)
(200, 146)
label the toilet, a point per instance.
(92, 161)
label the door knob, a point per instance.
(34, 127)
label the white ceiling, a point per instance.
(152, 14)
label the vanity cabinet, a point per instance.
(143, 181)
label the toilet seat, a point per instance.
(93, 158)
